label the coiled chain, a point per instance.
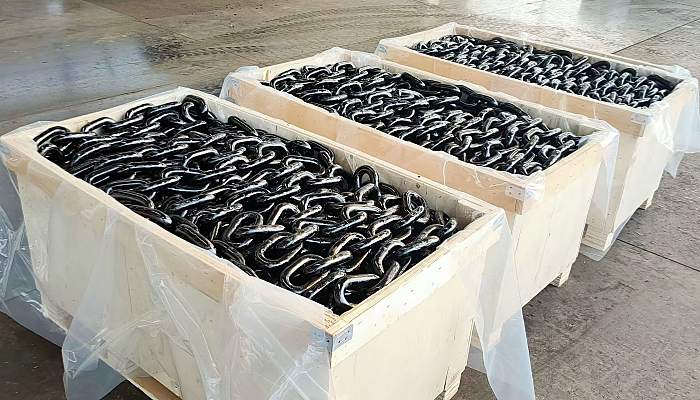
(558, 69)
(281, 210)
(451, 118)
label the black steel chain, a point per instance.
(454, 119)
(558, 69)
(281, 210)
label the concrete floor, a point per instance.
(627, 327)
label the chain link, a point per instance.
(558, 69)
(281, 210)
(454, 119)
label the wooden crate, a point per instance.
(546, 227)
(641, 158)
(408, 341)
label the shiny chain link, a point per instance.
(454, 119)
(558, 69)
(281, 210)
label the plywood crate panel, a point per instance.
(641, 156)
(409, 340)
(547, 227)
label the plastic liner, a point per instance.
(679, 133)
(492, 184)
(20, 298)
(509, 372)
(137, 300)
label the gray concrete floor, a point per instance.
(627, 327)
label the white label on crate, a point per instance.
(516, 192)
(322, 339)
(342, 338)
(641, 118)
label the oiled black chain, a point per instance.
(454, 119)
(281, 210)
(558, 69)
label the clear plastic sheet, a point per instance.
(679, 132)
(243, 87)
(140, 301)
(508, 371)
(20, 297)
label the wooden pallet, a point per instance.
(641, 158)
(409, 340)
(546, 231)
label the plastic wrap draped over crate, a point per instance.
(546, 211)
(652, 139)
(165, 314)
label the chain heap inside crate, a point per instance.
(451, 118)
(558, 69)
(281, 210)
